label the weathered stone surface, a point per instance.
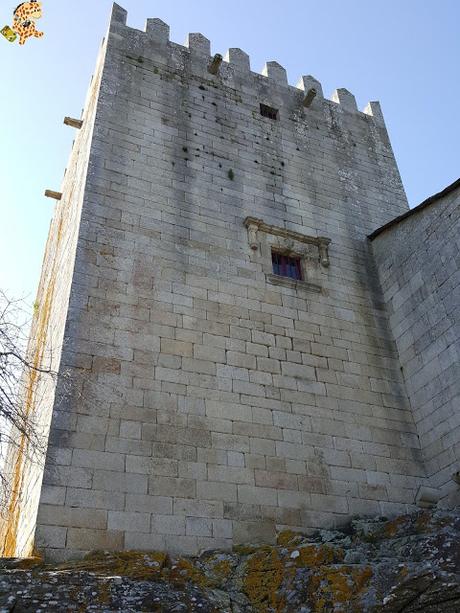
(209, 396)
(418, 259)
(410, 564)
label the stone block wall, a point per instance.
(51, 312)
(419, 265)
(214, 402)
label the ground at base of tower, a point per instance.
(409, 563)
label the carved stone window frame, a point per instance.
(313, 252)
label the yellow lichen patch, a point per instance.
(263, 579)
(184, 570)
(222, 569)
(311, 556)
(104, 595)
(245, 550)
(136, 565)
(362, 577)
(27, 563)
(403, 572)
(77, 595)
(289, 537)
(392, 527)
(339, 589)
(423, 522)
(218, 567)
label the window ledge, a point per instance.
(288, 282)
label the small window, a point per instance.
(269, 111)
(286, 266)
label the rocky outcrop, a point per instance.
(409, 564)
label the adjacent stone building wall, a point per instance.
(418, 259)
(212, 401)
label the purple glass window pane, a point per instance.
(286, 266)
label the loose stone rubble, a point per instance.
(410, 564)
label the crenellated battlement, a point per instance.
(235, 62)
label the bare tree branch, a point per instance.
(20, 374)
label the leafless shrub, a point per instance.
(21, 373)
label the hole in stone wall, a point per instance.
(269, 111)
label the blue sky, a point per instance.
(404, 53)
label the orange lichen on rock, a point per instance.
(311, 577)
(104, 596)
(392, 527)
(222, 568)
(244, 550)
(136, 565)
(263, 579)
(403, 572)
(288, 538)
(339, 589)
(314, 555)
(425, 521)
(184, 570)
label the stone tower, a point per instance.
(209, 294)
